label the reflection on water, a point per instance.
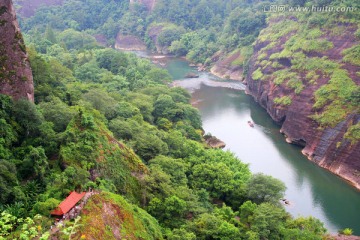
(311, 190)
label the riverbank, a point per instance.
(313, 190)
(214, 80)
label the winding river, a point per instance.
(225, 110)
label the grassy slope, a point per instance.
(110, 216)
(91, 146)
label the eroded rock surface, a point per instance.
(16, 77)
(326, 146)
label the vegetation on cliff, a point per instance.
(304, 71)
(110, 216)
(64, 143)
(106, 120)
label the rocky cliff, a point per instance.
(129, 43)
(308, 81)
(228, 66)
(16, 77)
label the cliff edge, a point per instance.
(307, 78)
(16, 77)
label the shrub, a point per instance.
(312, 77)
(278, 30)
(352, 55)
(338, 98)
(262, 56)
(282, 75)
(357, 34)
(276, 64)
(347, 231)
(285, 101)
(257, 75)
(353, 133)
(295, 84)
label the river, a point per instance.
(225, 110)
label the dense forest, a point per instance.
(107, 120)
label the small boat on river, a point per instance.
(251, 124)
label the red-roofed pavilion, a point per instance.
(66, 205)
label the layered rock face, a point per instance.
(16, 77)
(129, 43)
(227, 67)
(325, 145)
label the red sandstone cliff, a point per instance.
(326, 146)
(16, 77)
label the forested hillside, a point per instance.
(106, 120)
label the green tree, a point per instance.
(147, 146)
(28, 118)
(263, 188)
(268, 221)
(175, 168)
(170, 212)
(169, 34)
(76, 40)
(103, 102)
(181, 234)
(208, 226)
(58, 113)
(164, 107)
(50, 35)
(44, 208)
(216, 178)
(247, 210)
(304, 228)
(34, 162)
(8, 182)
(112, 60)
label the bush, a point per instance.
(257, 75)
(347, 231)
(357, 34)
(282, 75)
(336, 99)
(295, 84)
(44, 208)
(353, 133)
(352, 55)
(285, 101)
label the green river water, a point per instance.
(311, 190)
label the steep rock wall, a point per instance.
(129, 43)
(16, 77)
(326, 146)
(228, 66)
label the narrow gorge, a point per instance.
(305, 71)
